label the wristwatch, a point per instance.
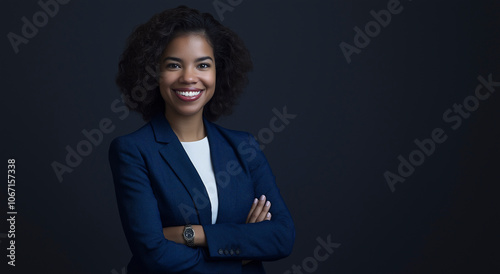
(188, 235)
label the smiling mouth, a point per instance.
(188, 95)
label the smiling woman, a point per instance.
(193, 197)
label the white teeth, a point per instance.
(188, 93)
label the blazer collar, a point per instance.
(162, 130)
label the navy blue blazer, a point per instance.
(157, 186)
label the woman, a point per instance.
(193, 197)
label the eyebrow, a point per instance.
(180, 60)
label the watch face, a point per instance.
(189, 233)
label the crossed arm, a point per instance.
(258, 212)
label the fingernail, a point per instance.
(255, 200)
(268, 214)
(263, 197)
(268, 203)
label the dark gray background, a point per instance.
(353, 120)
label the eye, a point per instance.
(203, 65)
(173, 66)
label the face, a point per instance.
(187, 76)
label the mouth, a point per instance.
(188, 94)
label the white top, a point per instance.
(199, 154)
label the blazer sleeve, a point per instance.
(267, 240)
(141, 221)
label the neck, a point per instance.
(187, 129)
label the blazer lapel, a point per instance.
(176, 157)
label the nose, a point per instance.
(189, 76)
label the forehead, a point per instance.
(189, 45)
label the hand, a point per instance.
(259, 211)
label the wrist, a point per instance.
(189, 235)
(200, 239)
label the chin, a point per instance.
(187, 112)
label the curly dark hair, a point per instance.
(141, 58)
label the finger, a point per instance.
(263, 213)
(258, 209)
(254, 205)
(268, 216)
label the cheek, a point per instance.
(214, 80)
(165, 82)
(210, 80)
